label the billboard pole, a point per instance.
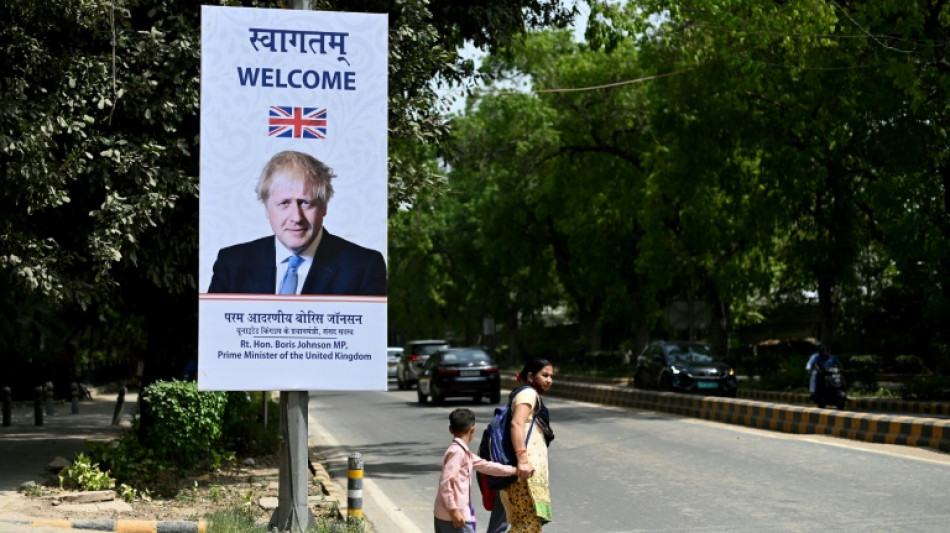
(293, 513)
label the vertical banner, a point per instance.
(293, 200)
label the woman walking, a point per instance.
(528, 501)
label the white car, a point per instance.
(392, 358)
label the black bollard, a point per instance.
(49, 398)
(119, 402)
(38, 406)
(74, 397)
(7, 396)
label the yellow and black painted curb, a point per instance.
(331, 489)
(119, 526)
(886, 429)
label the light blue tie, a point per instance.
(289, 285)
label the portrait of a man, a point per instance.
(301, 257)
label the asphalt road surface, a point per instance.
(624, 470)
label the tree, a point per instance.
(500, 240)
(774, 151)
(814, 97)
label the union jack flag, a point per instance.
(297, 122)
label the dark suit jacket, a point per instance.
(339, 267)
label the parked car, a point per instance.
(684, 367)
(392, 360)
(453, 372)
(413, 356)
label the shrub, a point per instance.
(601, 363)
(185, 424)
(128, 460)
(83, 474)
(862, 369)
(242, 428)
(789, 376)
(774, 356)
(939, 358)
(604, 359)
(909, 364)
(926, 389)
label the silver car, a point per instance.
(414, 355)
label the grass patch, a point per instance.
(237, 521)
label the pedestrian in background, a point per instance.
(528, 500)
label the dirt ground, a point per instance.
(252, 488)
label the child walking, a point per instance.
(453, 505)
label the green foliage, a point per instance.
(92, 138)
(236, 521)
(939, 359)
(769, 154)
(129, 461)
(242, 429)
(789, 376)
(926, 389)
(602, 359)
(862, 369)
(883, 392)
(33, 491)
(233, 521)
(185, 423)
(601, 363)
(156, 464)
(129, 494)
(910, 364)
(83, 474)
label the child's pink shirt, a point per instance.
(456, 480)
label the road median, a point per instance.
(885, 429)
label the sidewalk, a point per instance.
(26, 449)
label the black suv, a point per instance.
(414, 355)
(684, 367)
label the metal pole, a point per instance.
(354, 487)
(265, 399)
(49, 398)
(7, 395)
(38, 406)
(74, 397)
(119, 403)
(292, 511)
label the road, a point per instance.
(624, 470)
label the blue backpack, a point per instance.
(496, 446)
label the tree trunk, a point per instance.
(826, 321)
